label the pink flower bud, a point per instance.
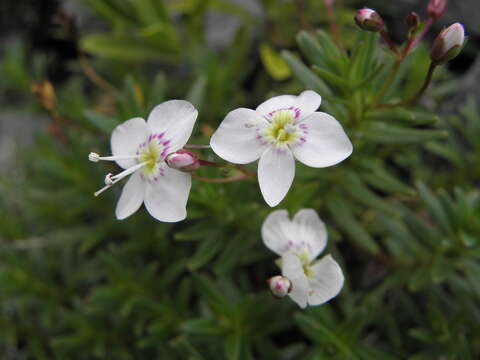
(448, 44)
(369, 20)
(183, 160)
(413, 20)
(280, 286)
(436, 8)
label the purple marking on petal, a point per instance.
(303, 139)
(165, 143)
(303, 126)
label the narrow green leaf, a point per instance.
(197, 92)
(435, 207)
(390, 134)
(346, 220)
(207, 249)
(122, 47)
(304, 74)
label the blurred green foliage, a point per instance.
(402, 212)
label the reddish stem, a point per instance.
(419, 37)
(220, 180)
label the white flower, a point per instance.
(141, 148)
(299, 242)
(280, 130)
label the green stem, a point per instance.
(418, 95)
(389, 81)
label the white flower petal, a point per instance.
(234, 141)
(292, 268)
(307, 102)
(131, 198)
(126, 138)
(166, 199)
(176, 119)
(326, 281)
(325, 144)
(276, 170)
(310, 229)
(277, 232)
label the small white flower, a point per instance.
(280, 130)
(299, 242)
(140, 148)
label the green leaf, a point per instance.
(415, 117)
(332, 79)
(207, 249)
(304, 74)
(201, 326)
(114, 11)
(345, 219)
(104, 123)
(420, 278)
(275, 65)
(320, 333)
(357, 189)
(379, 177)
(197, 92)
(150, 12)
(233, 346)
(435, 207)
(157, 91)
(122, 47)
(390, 134)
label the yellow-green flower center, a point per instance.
(282, 130)
(150, 156)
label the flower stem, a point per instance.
(418, 95)
(332, 22)
(420, 36)
(300, 8)
(221, 180)
(386, 37)
(389, 81)
(212, 164)
(192, 146)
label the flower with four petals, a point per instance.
(141, 147)
(299, 241)
(277, 132)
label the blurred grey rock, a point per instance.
(221, 26)
(17, 131)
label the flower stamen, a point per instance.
(94, 157)
(111, 180)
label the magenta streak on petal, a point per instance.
(303, 126)
(303, 139)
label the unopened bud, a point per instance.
(183, 160)
(280, 286)
(369, 20)
(413, 20)
(436, 8)
(448, 44)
